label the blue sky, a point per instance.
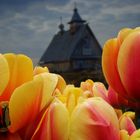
(27, 26)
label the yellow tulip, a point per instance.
(22, 96)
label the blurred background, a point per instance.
(28, 26)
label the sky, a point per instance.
(28, 26)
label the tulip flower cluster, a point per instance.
(38, 105)
(121, 65)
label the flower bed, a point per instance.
(38, 105)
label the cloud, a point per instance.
(27, 26)
(106, 17)
(26, 32)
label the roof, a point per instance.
(76, 17)
(63, 45)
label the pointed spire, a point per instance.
(61, 26)
(75, 5)
(76, 17)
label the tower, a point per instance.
(76, 21)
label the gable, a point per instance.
(88, 46)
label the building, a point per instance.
(75, 53)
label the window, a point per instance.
(86, 48)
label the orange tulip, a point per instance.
(115, 99)
(94, 119)
(98, 89)
(125, 122)
(54, 124)
(13, 74)
(22, 96)
(28, 100)
(82, 119)
(14, 71)
(40, 106)
(121, 63)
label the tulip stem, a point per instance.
(137, 119)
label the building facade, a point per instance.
(75, 54)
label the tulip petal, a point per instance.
(118, 112)
(125, 122)
(24, 104)
(94, 119)
(99, 90)
(137, 29)
(29, 99)
(4, 74)
(129, 65)
(124, 135)
(135, 135)
(87, 85)
(61, 85)
(27, 131)
(109, 65)
(87, 88)
(21, 71)
(123, 34)
(72, 98)
(115, 99)
(49, 84)
(54, 123)
(130, 114)
(38, 70)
